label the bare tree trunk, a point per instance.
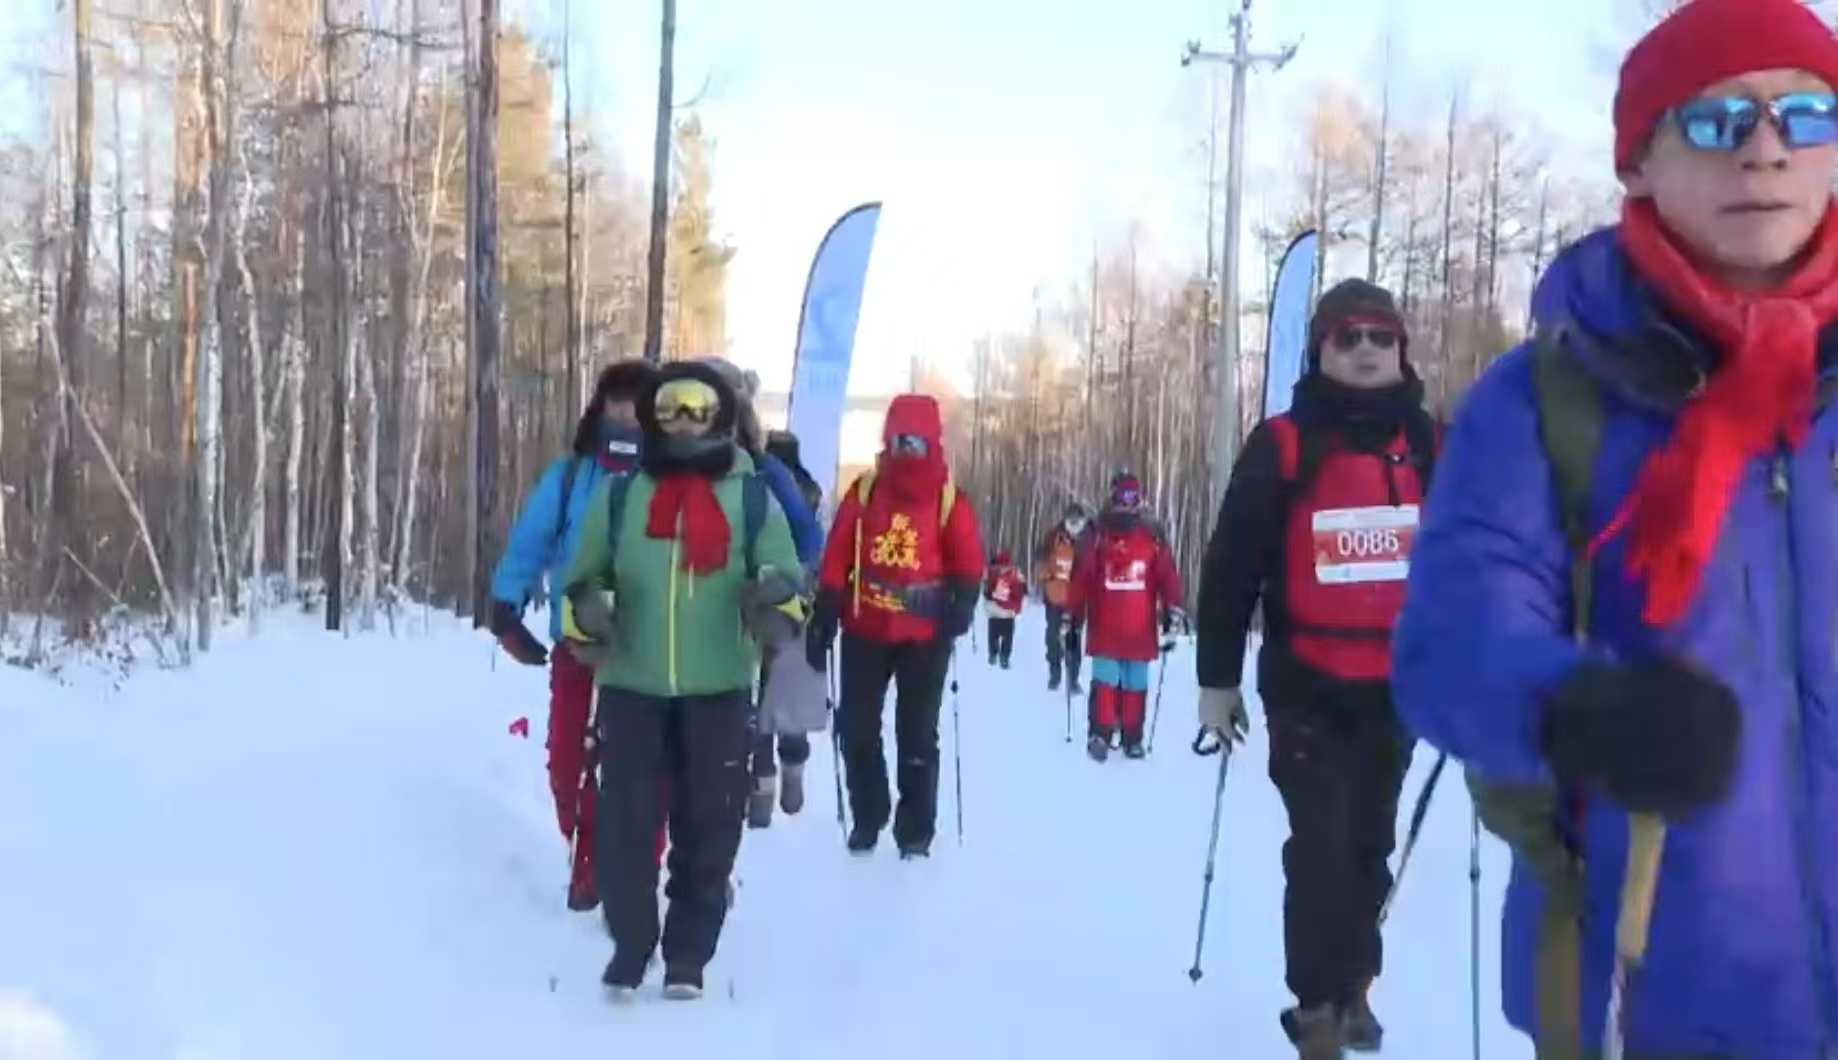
(1380, 163)
(572, 341)
(482, 294)
(337, 552)
(660, 188)
(252, 542)
(410, 474)
(293, 357)
(73, 305)
(218, 58)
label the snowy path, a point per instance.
(313, 848)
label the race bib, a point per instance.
(1364, 544)
(1062, 566)
(1001, 594)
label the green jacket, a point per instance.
(679, 634)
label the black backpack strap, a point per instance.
(569, 474)
(1570, 419)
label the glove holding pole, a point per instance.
(1224, 723)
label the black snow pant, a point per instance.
(1340, 780)
(1065, 643)
(1001, 639)
(794, 749)
(918, 672)
(691, 750)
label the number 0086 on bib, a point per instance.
(1364, 544)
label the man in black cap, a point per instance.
(1317, 523)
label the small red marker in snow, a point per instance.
(521, 727)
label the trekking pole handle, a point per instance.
(1204, 749)
(1645, 847)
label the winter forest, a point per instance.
(267, 259)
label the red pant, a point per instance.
(1114, 708)
(571, 781)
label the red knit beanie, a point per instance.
(1705, 42)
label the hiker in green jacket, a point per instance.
(683, 571)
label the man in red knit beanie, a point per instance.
(1624, 597)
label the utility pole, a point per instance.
(1242, 60)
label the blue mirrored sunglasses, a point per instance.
(1725, 123)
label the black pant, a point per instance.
(1340, 781)
(1001, 638)
(692, 750)
(918, 674)
(1064, 641)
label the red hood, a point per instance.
(910, 476)
(914, 414)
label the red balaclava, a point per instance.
(1760, 393)
(1004, 559)
(913, 474)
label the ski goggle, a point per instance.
(908, 445)
(1725, 123)
(1348, 338)
(687, 401)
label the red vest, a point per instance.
(1347, 554)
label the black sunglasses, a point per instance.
(1725, 123)
(1349, 338)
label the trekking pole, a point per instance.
(1155, 713)
(1474, 927)
(1212, 847)
(957, 755)
(836, 742)
(1068, 689)
(1410, 838)
(1646, 844)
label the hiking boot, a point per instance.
(1098, 747)
(1078, 687)
(759, 803)
(682, 983)
(1360, 1030)
(1314, 1031)
(914, 848)
(1005, 665)
(992, 658)
(1134, 750)
(791, 788)
(863, 839)
(1053, 681)
(623, 976)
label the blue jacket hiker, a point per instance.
(1623, 601)
(607, 441)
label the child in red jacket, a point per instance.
(1004, 592)
(1125, 585)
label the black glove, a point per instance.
(930, 601)
(1659, 735)
(962, 610)
(821, 632)
(519, 643)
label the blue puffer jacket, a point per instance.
(538, 547)
(1741, 956)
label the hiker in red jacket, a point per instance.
(899, 577)
(1125, 586)
(1004, 594)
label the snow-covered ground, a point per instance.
(319, 847)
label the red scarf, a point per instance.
(1760, 395)
(684, 506)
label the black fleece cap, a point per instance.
(1352, 300)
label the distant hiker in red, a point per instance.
(1004, 595)
(606, 442)
(899, 577)
(1317, 524)
(1127, 589)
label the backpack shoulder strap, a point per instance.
(947, 501)
(753, 499)
(562, 504)
(1288, 456)
(1570, 428)
(864, 488)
